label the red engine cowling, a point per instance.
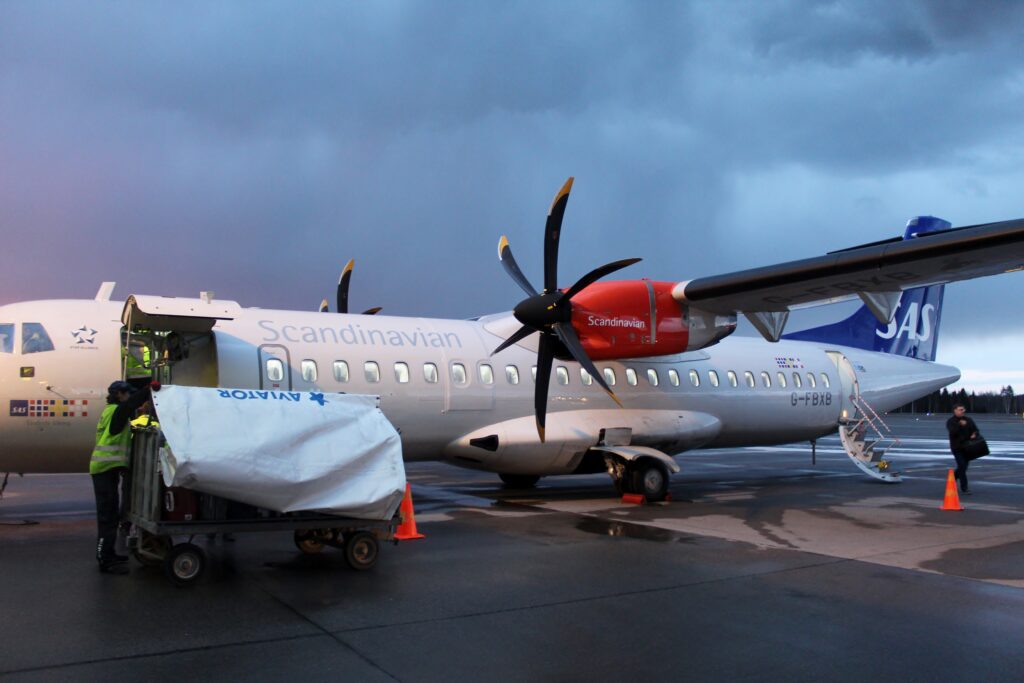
(629, 318)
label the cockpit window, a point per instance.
(34, 338)
(6, 337)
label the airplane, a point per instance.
(642, 370)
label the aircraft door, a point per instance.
(275, 367)
(849, 388)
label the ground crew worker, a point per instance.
(107, 466)
(137, 372)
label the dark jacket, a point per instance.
(959, 434)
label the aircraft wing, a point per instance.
(876, 272)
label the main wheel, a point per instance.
(650, 478)
(184, 564)
(308, 541)
(152, 549)
(520, 481)
(361, 550)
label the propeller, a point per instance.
(550, 312)
(342, 294)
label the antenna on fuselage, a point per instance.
(106, 289)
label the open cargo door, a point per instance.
(173, 336)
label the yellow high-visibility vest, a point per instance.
(111, 450)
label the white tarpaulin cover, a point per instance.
(283, 450)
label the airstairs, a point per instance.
(866, 437)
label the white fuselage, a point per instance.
(392, 357)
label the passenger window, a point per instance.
(586, 378)
(371, 371)
(766, 380)
(430, 373)
(340, 371)
(713, 378)
(402, 373)
(512, 374)
(609, 377)
(6, 337)
(275, 370)
(749, 377)
(824, 381)
(673, 377)
(459, 373)
(562, 375)
(308, 370)
(810, 380)
(631, 377)
(781, 376)
(694, 378)
(732, 378)
(486, 374)
(652, 376)
(34, 338)
(796, 380)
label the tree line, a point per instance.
(1004, 401)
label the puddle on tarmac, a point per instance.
(612, 527)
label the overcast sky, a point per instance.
(252, 148)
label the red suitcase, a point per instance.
(180, 505)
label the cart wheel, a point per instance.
(185, 564)
(152, 549)
(308, 541)
(361, 550)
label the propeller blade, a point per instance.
(545, 356)
(552, 231)
(522, 333)
(372, 311)
(343, 281)
(323, 306)
(512, 268)
(568, 336)
(596, 274)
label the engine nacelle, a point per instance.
(636, 318)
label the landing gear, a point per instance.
(645, 476)
(520, 481)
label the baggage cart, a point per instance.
(156, 538)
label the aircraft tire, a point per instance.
(519, 481)
(650, 478)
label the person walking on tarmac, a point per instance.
(108, 464)
(961, 430)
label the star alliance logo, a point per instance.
(319, 398)
(84, 335)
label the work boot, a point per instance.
(114, 568)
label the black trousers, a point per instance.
(107, 487)
(961, 468)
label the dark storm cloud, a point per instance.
(251, 148)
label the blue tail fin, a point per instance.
(914, 330)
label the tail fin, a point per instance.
(913, 331)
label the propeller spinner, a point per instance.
(550, 312)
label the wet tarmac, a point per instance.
(763, 567)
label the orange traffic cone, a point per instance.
(407, 529)
(952, 499)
